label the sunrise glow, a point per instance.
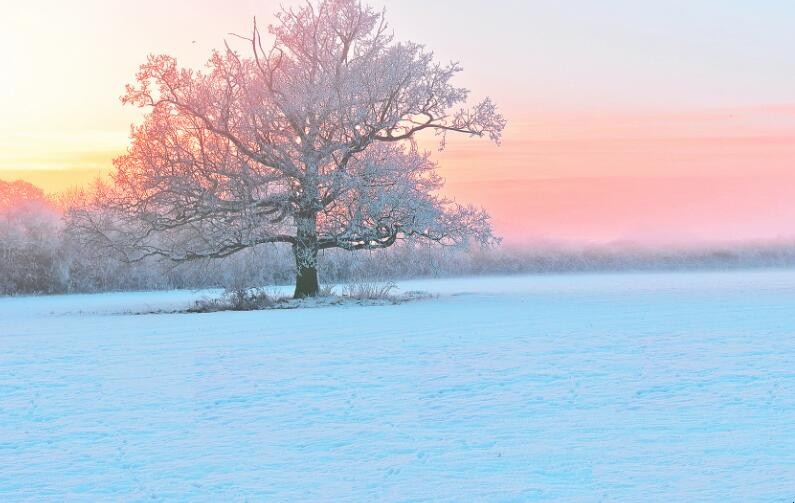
(610, 129)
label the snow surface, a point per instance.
(612, 387)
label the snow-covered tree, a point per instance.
(308, 141)
(30, 232)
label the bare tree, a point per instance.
(309, 142)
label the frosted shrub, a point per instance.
(242, 299)
(369, 290)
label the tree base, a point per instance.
(306, 284)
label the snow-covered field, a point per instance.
(601, 387)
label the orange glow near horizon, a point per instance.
(717, 175)
(722, 142)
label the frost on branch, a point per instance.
(308, 141)
(388, 193)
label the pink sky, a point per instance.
(628, 121)
(689, 177)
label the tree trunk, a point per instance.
(305, 250)
(306, 284)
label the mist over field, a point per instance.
(41, 257)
